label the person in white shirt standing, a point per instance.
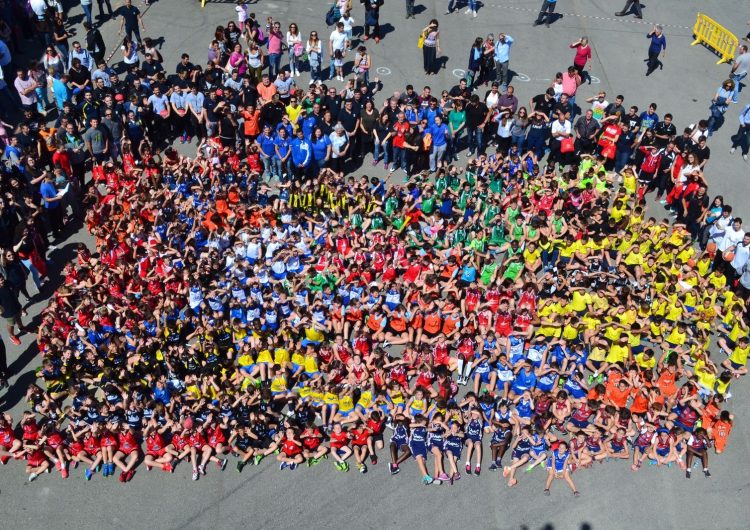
(337, 41)
(733, 235)
(741, 257)
(560, 130)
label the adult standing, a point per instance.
(410, 8)
(477, 116)
(131, 17)
(11, 310)
(561, 129)
(86, 7)
(742, 138)
(336, 42)
(658, 46)
(275, 40)
(431, 47)
(339, 149)
(740, 67)
(582, 59)
(635, 5)
(546, 13)
(502, 59)
(52, 205)
(97, 140)
(570, 83)
(314, 51)
(294, 44)
(26, 88)
(94, 42)
(372, 19)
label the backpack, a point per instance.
(333, 15)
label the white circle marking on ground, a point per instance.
(383, 70)
(459, 73)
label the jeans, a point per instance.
(742, 139)
(34, 273)
(473, 5)
(475, 139)
(519, 140)
(737, 78)
(410, 8)
(453, 144)
(268, 165)
(274, 65)
(378, 147)
(621, 159)
(549, 258)
(87, 13)
(315, 71)
(436, 155)
(547, 10)
(293, 61)
(42, 101)
(399, 158)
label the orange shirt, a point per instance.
(266, 92)
(618, 397)
(252, 122)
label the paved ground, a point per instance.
(613, 497)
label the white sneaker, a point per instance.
(744, 157)
(732, 150)
(467, 11)
(475, 14)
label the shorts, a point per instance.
(579, 423)
(452, 450)
(157, 454)
(662, 452)
(736, 366)
(474, 437)
(418, 450)
(484, 377)
(37, 459)
(617, 448)
(518, 455)
(678, 423)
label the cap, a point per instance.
(119, 97)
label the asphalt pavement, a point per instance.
(320, 497)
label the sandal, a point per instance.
(576, 493)
(546, 492)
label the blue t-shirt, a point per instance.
(320, 147)
(48, 191)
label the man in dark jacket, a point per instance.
(94, 42)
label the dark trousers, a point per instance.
(634, 5)
(55, 216)
(547, 10)
(410, 8)
(742, 139)
(429, 53)
(653, 61)
(375, 29)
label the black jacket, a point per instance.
(95, 42)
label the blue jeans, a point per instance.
(268, 165)
(399, 158)
(274, 65)
(436, 155)
(519, 141)
(475, 139)
(473, 5)
(549, 258)
(34, 273)
(378, 146)
(621, 159)
(737, 78)
(42, 101)
(87, 12)
(293, 61)
(331, 70)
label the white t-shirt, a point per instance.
(558, 127)
(347, 22)
(338, 40)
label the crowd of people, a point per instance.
(519, 308)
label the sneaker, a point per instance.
(257, 459)
(195, 474)
(475, 16)
(392, 169)
(4, 460)
(202, 469)
(477, 470)
(707, 473)
(443, 477)
(732, 150)
(396, 470)
(33, 477)
(168, 467)
(283, 465)
(312, 81)
(467, 11)
(456, 476)
(469, 154)
(687, 473)
(493, 466)
(506, 471)
(373, 460)
(240, 465)
(122, 476)
(15, 340)
(88, 473)
(293, 466)
(375, 163)
(129, 475)
(64, 472)
(391, 467)
(468, 469)
(222, 464)
(744, 157)
(346, 467)
(427, 480)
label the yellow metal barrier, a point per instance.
(709, 32)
